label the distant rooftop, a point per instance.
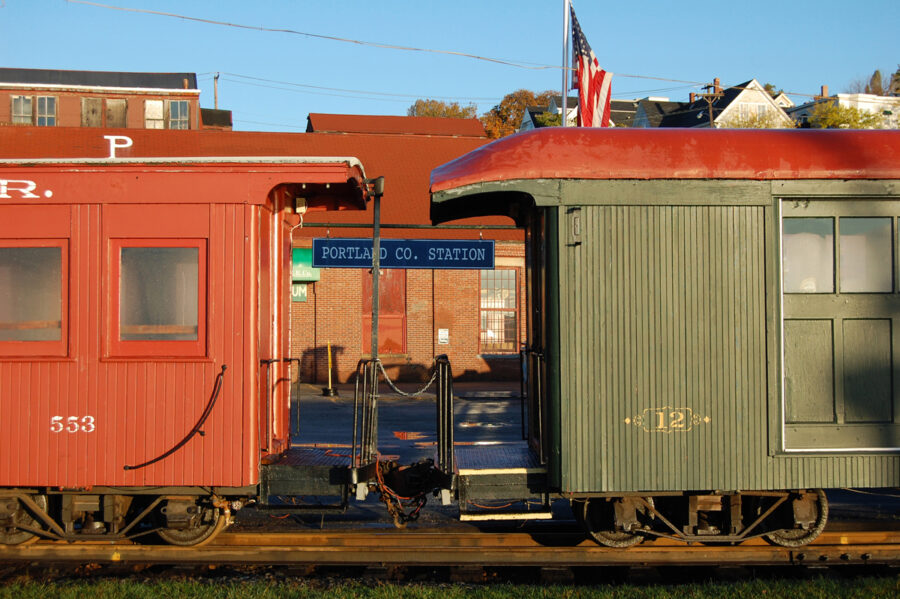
(99, 78)
(397, 125)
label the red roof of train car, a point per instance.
(404, 160)
(142, 163)
(584, 153)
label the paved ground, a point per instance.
(406, 426)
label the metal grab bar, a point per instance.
(445, 420)
(270, 396)
(533, 361)
(365, 413)
(198, 427)
(270, 390)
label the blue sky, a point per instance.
(797, 46)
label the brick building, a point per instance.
(475, 317)
(52, 98)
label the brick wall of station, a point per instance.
(435, 299)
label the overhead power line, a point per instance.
(511, 63)
(506, 62)
(307, 86)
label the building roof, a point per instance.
(396, 125)
(621, 112)
(655, 110)
(405, 161)
(99, 79)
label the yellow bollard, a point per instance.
(329, 391)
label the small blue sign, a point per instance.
(404, 253)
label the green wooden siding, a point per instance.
(663, 309)
(668, 308)
(670, 347)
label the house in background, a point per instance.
(747, 104)
(744, 105)
(621, 113)
(888, 107)
(650, 111)
(55, 98)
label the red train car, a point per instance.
(127, 287)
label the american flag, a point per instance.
(591, 81)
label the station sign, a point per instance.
(299, 292)
(301, 266)
(404, 253)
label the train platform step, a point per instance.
(501, 481)
(306, 471)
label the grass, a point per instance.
(862, 588)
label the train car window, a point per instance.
(808, 255)
(161, 299)
(158, 298)
(866, 250)
(32, 297)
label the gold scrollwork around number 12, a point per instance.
(667, 420)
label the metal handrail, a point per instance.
(445, 420)
(365, 413)
(535, 369)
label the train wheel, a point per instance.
(210, 522)
(598, 518)
(797, 537)
(12, 534)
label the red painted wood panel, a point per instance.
(115, 412)
(75, 420)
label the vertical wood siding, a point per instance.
(663, 312)
(141, 408)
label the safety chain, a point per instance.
(396, 503)
(390, 383)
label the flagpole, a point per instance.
(564, 99)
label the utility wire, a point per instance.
(518, 64)
(512, 63)
(356, 91)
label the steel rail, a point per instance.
(453, 548)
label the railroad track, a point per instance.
(436, 547)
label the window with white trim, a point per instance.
(167, 114)
(499, 311)
(34, 110)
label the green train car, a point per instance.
(713, 324)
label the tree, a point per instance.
(876, 85)
(442, 109)
(831, 115)
(770, 88)
(770, 119)
(504, 118)
(894, 87)
(549, 119)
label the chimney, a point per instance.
(717, 86)
(693, 97)
(824, 91)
